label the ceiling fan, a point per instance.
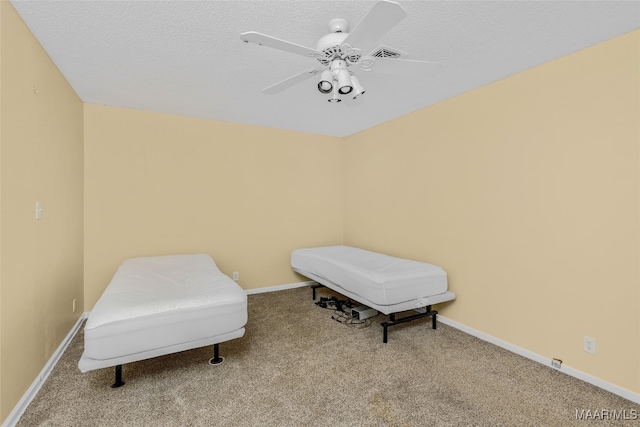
(341, 49)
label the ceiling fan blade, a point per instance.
(264, 40)
(383, 16)
(292, 81)
(400, 67)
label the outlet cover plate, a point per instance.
(590, 345)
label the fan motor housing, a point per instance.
(331, 40)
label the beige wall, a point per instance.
(159, 184)
(41, 134)
(527, 192)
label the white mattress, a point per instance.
(380, 281)
(160, 305)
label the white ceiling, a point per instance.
(186, 57)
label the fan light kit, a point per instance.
(341, 49)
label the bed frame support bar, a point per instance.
(422, 313)
(216, 356)
(119, 382)
(393, 321)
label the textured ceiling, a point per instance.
(186, 57)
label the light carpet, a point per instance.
(296, 366)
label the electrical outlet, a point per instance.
(236, 276)
(590, 345)
(556, 363)
(74, 305)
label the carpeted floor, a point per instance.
(296, 366)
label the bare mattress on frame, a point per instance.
(380, 281)
(160, 305)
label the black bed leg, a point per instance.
(314, 287)
(433, 316)
(216, 356)
(385, 325)
(119, 382)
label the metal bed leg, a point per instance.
(314, 287)
(216, 356)
(393, 321)
(385, 326)
(119, 382)
(434, 314)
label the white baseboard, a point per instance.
(622, 392)
(31, 392)
(279, 287)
